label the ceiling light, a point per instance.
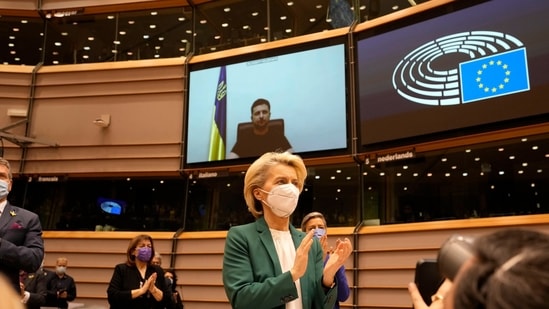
(15, 29)
(534, 147)
(312, 19)
(181, 19)
(255, 13)
(57, 44)
(131, 22)
(290, 3)
(91, 38)
(154, 13)
(283, 17)
(224, 25)
(24, 21)
(152, 26)
(226, 10)
(86, 48)
(110, 17)
(122, 32)
(203, 21)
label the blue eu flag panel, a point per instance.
(495, 75)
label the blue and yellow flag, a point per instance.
(219, 122)
(496, 75)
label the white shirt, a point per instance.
(3, 205)
(285, 250)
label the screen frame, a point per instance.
(263, 51)
(413, 16)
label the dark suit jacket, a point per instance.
(35, 284)
(21, 244)
(127, 278)
(253, 278)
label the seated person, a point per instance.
(260, 139)
(508, 269)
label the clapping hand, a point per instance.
(149, 283)
(338, 256)
(302, 256)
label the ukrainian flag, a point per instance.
(496, 75)
(219, 121)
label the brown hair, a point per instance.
(6, 163)
(130, 258)
(510, 269)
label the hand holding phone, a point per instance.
(427, 278)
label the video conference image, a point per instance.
(300, 95)
(476, 66)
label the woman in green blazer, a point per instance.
(268, 263)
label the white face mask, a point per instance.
(4, 189)
(282, 199)
(60, 269)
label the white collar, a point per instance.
(3, 205)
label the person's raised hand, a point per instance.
(150, 282)
(302, 256)
(437, 298)
(338, 256)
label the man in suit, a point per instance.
(21, 243)
(260, 138)
(33, 289)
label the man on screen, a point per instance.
(261, 137)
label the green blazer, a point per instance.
(253, 278)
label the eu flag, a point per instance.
(493, 76)
(219, 121)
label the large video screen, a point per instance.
(292, 98)
(468, 69)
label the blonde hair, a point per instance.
(312, 215)
(257, 174)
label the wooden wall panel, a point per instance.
(15, 90)
(144, 100)
(385, 261)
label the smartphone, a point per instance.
(428, 278)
